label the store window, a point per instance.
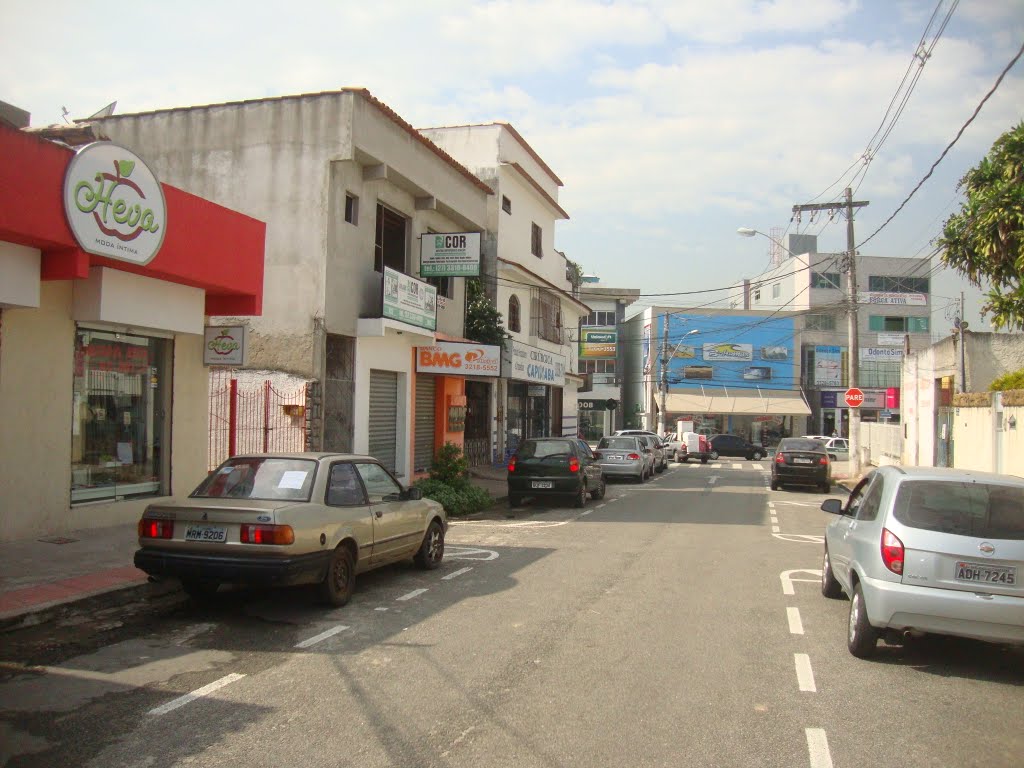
(121, 416)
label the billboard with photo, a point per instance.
(744, 352)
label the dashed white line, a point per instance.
(804, 673)
(196, 694)
(459, 572)
(817, 748)
(411, 595)
(796, 625)
(322, 636)
(775, 529)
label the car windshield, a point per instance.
(981, 510)
(260, 478)
(800, 444)
(544, 449)
(617, 443)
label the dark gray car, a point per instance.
(554, 466)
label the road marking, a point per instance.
(775, 529)
(181, 701)
(804, 673)
(584, 514)
(786, 577)
(537, 524)
(469, 553)
(459, 572)
(322, 636)
(712, 479)
(796, 626)
(410, 595)
(737, 466)
(758, 467)
(802, 538)
(817, 748)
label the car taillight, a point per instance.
(892, 551)
(574, 464)
(823, 460)
(634, 457)
(780, 459)
(156, 529)
(512, 464)
(267, 534)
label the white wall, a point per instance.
(19, 275)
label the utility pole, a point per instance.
(664, 375)
(853, 354)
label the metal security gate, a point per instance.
(423, 451)
(384, 417)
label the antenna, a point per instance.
(64, 114)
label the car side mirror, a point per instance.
(833, 506)
(413, 494)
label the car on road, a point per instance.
(801, 461)
(693, 445)
(554, 466)
(625, 456)
(838, 448)
(922, 550)
(657, 450)
(673, 445)
(734, 445)
(285, 519)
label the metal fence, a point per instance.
(255, 418)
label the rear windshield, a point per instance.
(542, 449)
(618, 443)
(981, 510)
(801, 444)
(260, 478)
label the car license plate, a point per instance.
(541, 484)
(985, 574)
(801, 461)
(206, 533)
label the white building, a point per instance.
(529, 280)
(347, 189)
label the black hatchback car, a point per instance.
(734, 445)
(554, 466)
(799, 461)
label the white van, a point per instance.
(694, 446)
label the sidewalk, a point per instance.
(42, 577)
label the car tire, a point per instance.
(713, 455)
(660, 468)
(703, 460)
(580, 498)
(861, 637)
(830, 588)
(598, 493)
(514, 500)
(200, 590)
(775, 485)
(826, 487)
(431, 551)
(757, 455)
(340, 580)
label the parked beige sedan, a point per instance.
(279, 520)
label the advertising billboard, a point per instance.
(828, 366)
(598, 341)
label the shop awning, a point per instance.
(746, 402)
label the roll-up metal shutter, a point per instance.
(424, 440)
(384, 417)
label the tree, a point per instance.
(483, 320)
(985, 240)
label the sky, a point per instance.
(670, 123)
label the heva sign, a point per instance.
(224, 345)
(459, 358)
(114, 203)
(455, 254)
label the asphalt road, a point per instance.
(677, 623)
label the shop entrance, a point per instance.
(478, 423)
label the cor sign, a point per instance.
(451, 254)
(459, 358)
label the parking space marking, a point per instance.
(181, 701)
(796, 625)
(801, 538)
(322, 636)
(804, 673)
(469, 553)
(786, 577)
(817, 748)
(411, 595)
(459, 572)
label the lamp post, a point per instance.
(665, 357)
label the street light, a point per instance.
(665, 357)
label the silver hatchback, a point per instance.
(923, 550)
(625, 456)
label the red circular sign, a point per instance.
(854, 397)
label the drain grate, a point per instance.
(57, 540)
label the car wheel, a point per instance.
(660, 468)
(713, 455)
(829, 586)
(703, 460)
(431, 551)
(775, 485)
(862, 638)
(340, 581)
(200, 590)
(757, 455)
(581, 495)
(826, 487)
(515, 501)
(598, 493)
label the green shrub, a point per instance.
(450, 466)
(1008, 381)
(463, 500)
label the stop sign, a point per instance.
(854, 397)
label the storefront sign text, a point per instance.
(224, 345)
(409, 300)
(454, 254)
(895, 299)
(734, 352)
(459, 359)
(528, 363)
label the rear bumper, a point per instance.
(625, 469)
(229, 569)
(523, 486)
(801, 476)
(995, 618)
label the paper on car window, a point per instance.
(292, 479)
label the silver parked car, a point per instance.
(625, 456)
(928, 550)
